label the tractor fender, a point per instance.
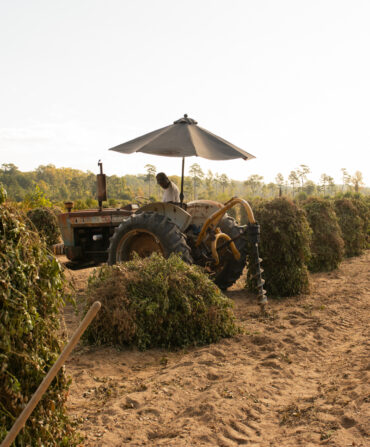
(176, 214)
(200, 210)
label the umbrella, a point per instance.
(183, 138)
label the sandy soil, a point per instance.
(297, 377)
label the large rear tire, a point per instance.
(231, 269)
(144, 234)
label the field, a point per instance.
(297, 377)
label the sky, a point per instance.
(288, 81)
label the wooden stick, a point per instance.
(22, 418)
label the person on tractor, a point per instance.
(171, 191)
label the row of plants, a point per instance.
(314, 235)
(32, 294)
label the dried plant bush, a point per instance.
(352, 226)
(284, 247)
(157, 302)
(45, 222)
(362, 204)
(31, 296)
(327, 245)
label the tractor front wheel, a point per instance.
(144, 234)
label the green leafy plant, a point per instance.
(284, 247)
(3, 194)
(36, 199)
(157, 302)
(45, 222)
(31, 296)
(327, 245)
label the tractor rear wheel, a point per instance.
(231, 269)
(144, 234)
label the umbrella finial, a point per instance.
(185, 120)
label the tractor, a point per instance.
(200, 231)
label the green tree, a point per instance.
(150, 175)
(357, 180)
(209, 180)
(293, 180)
(254, 183)
(197, 174)
(37, 199)
(224, 181)
(346, 178)
(271, 189)
(309, 187)
(326, 181)
(279, 179)
(302, 172)
(9, 168)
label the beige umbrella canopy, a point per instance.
(183, 139)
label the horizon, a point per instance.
(141, 174)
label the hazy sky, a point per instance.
(288, 81)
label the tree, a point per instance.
(9, 168)
(209, 183)
(302, 172)
(346, 178)
(196, 172)
(271, 189)
(254, 182)
(217, 181)
(151, 171)
(279, 179)
(357, 180)
(331, 184)
(309, 187)
(37, 199)
(294, 180)
(224, 181)
(326, 180)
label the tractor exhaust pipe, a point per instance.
(101, 186)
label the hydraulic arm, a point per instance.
(252, 231)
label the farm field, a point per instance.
(297, 377)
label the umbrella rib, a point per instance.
(191, 139)
(246, 155)
(153, 138)
(134, 141)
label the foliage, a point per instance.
(301, 196)
(157, 302)
(284, 247)
(66, 184)
(45, 222)
(31, 296)
(3, 194)
(362, 204)
(352, 226)
(36, 199)
(327, 245)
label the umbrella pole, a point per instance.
(182, 182)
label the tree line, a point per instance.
(58, 185)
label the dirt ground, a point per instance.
(297, 377)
